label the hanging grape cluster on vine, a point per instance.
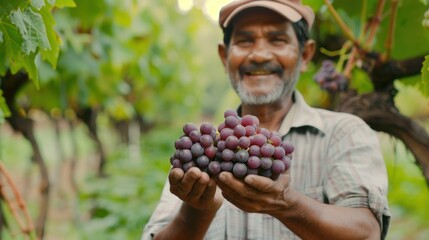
(329, 78)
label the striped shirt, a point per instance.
(337, 160)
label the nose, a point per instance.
(260, 52)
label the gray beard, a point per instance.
(273, 96)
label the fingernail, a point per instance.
(222, 177)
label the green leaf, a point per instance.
(32, 29)
(65, 3)
(38, 4)
(52, 54)
(7, 6)
(423, 86)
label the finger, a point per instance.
(231, 186)
(187, 183)
(175, 175)
(226, 180)
(199, 186)
(210, 190)
(260, 183)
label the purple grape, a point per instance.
(230, 112)
(265, 132)
(250, 130)
(288, 147)
(266, 163)
(279, 152)
(220, 127)
(231, 121)
(244, 142)
(226, 132)
(278, 166)
(239, 170)
(176, 163)
(185, 143)
(227, 154)
(214, 167)
(206, 140)
(207, 128)
(231, 142)
(258, 139)
(177, 144)
(241, 156)
(254, 150)
(253, 162)
(239, 131)
(187, 165)
(210, 152)
(177, 154)
(275, 140)
(188, 128)
(286, 161)
(202, 161)
(249, 120)
(221, 145)
(226, 166)
(195, 136)
(213, 134)
(197, 150)
(185, 155)
(267, 150)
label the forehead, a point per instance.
(258, 16)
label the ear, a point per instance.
(307, 54)
(222, 51)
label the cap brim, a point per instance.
(282, 9)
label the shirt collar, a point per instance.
(301, 115)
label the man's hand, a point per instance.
(195, 188)
(256, 193)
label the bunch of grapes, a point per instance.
(329, 79)
(195, 148)
(244, 148)
(239, 146)
(425, 21)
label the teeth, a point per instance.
(259, 72)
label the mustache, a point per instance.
(265, 66)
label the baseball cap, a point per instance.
(293, 10)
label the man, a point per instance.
(336, 186)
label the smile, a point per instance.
(259, 72)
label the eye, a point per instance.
(279, 41)
(244, 42)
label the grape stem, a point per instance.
(347, 31)
(375, 23)
(392, 23)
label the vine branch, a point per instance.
(26, 225)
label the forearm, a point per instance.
(310, 219)
(189, 223)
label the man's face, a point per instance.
(263, 58)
